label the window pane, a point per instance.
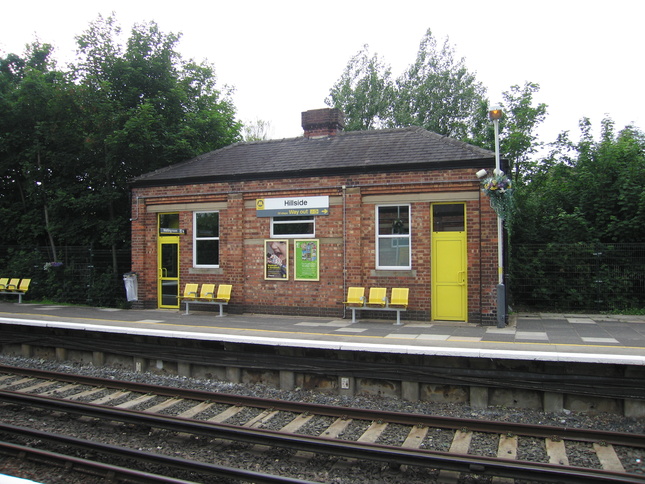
(448, 217)
(394, 220)
(207, 224)
(293, 226)
(207, 252)
(300, 228)
(291, 219)
(393, 252)
(168, 220)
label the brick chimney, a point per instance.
(320, 123)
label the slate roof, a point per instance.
(348, 153)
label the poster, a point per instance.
(306, 258)
(276, 265)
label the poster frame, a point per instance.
(314, 265)
(270, 272)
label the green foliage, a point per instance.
(257, 131)
(590, 191)
(436, 92)
(364, 92)
(583, 202)
(38, 155)
(71, 140)
(518, 138)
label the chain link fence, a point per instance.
(79, 275)
(577, 277)
(546, 277)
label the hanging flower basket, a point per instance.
(499, 189)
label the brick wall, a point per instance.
(346, 235)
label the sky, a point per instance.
(283, 57)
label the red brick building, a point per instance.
(293, 223)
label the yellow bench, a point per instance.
(207, 295)
(377, 300)
(14, 287)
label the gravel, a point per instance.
(320, 468)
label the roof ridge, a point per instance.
(379, 130)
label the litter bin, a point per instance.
(131, 286)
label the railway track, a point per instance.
(441, 448)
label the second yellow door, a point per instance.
(449, 263)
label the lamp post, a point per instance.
(495, 114)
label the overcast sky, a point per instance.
(282, 57)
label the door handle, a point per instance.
(462, 277)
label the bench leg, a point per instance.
(221, 310)
(353, 315)
(398, 318)
(186, 307)
(19, 298)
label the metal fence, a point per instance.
(577, 277)
(79, 275)
(553, 277)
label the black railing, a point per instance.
(577, 277)
(554, 277)
(80, 275)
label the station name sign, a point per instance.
(292, 207)
(168, 231)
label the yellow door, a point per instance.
(168, 272)
(168, 260)
(449, 262)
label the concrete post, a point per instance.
(98, 358)
(479, 397)
(233, 374)
(27, 351)
(553, 402)
(184, 369)
(410, 391)
(61, 354)
(287, 380)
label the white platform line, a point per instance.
(345, 345)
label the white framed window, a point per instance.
(393, 237)
(206, 239)
(301, 227)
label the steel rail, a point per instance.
(136, 455)
(452, 423)
(318, 445)
(82, 465)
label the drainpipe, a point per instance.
(344, 188)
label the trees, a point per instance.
(364, 92)
(257, 131)
(38, 147)
(587, 191)
(72, 139)
(519, 141)
(436, 92)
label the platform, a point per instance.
(556, 337)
